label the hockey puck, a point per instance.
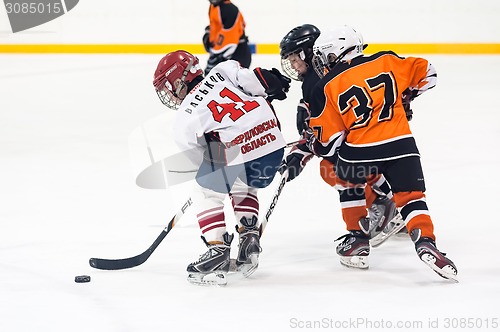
(80, 279)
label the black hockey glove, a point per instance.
(285, 84)
(276, 85)
(213, 61)
(408, 96)
(328, 152)
(215, 151)
(206, 39)
(295, 161)
(303, 116)
(311, 140)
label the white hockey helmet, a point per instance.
(337, 44)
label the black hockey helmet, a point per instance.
(300, 38)
(298, 42)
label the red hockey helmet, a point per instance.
(172, 76)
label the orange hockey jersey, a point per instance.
(227, 27)
(360, 102)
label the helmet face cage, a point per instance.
(323, 63)
(294, 64)
(170, 98)
(296, 50)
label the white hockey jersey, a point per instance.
(229, 101)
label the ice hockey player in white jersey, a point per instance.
(226, 124)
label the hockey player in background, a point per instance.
(226, 124)
(359, 107)
(225, 37)
(296, 51)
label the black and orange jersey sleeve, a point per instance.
(327, 126)
(227, 26)
(325, 123)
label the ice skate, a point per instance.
(381, 212)
(249, 246)
(354, 249)
(212, 267)
(435, 259)
(394, 226)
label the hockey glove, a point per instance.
(311, 140)
(303, 116)
(295, 161)
(206, 39)
(276, 85)
(328, 152)
(215, 151)
(213, 61)
(407, 97)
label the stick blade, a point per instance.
(117, 264)
(127, 263)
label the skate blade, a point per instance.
(383, 236)
(218, 278)
(358, 262)
(448, 272)
(249, 268)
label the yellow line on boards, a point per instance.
(436, 48)
(101, 48)
(442, 48)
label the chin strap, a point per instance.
(183, 77)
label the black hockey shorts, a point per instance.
(258, 173)
(243, 55)
(403, 174)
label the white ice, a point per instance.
(68, 193)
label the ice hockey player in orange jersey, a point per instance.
(296, 50)
(225, 37)
(359, 117)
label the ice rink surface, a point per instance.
(67, 190)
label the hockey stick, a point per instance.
(277, 193)
(300, 141)
(126, 263)
(274, 201)
(233, 266)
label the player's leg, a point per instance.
(258, 174)
(213, 182)
(215, 261)
(354, 248)
(243, 54)
(378, 196)
(246, 210)
(383, 208)
(407, 180)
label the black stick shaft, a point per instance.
(274, 201)
(126, 263)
